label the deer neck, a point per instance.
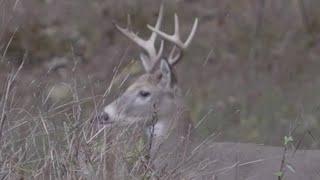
(170, 132)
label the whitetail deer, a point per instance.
(155, 101)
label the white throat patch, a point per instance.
(158, 130)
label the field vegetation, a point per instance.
(251, 75)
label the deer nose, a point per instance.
(103, 118)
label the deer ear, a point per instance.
(166, 74)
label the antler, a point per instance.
(152, 58)
(175, 38)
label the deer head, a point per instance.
(156, 91)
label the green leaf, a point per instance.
(279, 174)
(287, 140)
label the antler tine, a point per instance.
(175, 38)
(150, 61)
(129, 33)
(158, 24)
(174, 58)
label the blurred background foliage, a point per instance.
(251, 75)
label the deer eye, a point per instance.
(144, 94)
